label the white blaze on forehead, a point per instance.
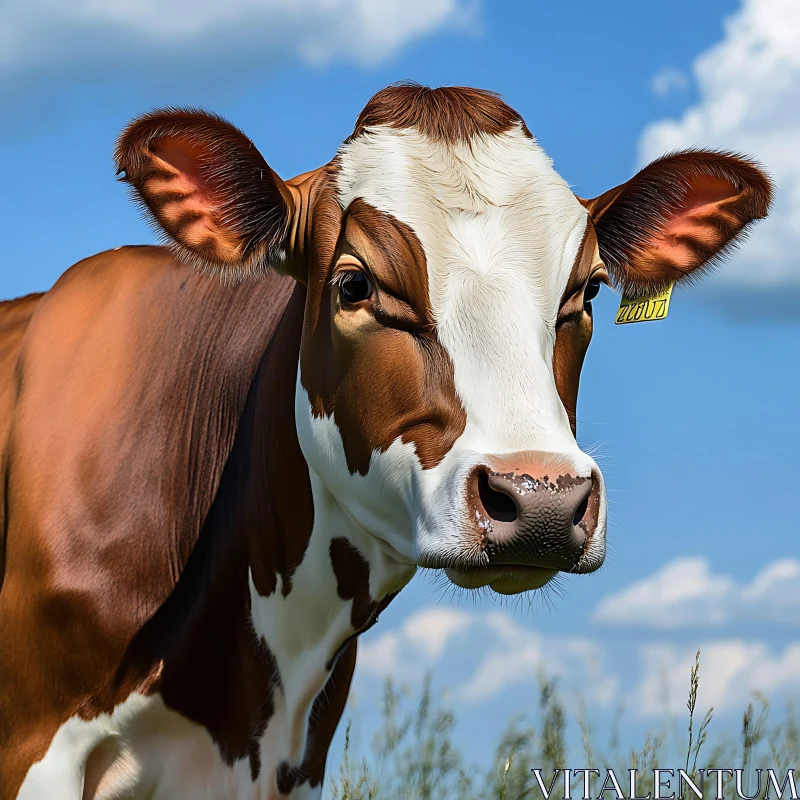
(501, 230)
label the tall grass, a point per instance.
(413, 757)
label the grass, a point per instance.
(413, 757)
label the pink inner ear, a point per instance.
(184, 157)
(186, 206)
(694, 229)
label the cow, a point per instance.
(223, 457)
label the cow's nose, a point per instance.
(529, 516)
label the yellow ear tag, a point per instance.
(644, 309)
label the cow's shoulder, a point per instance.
(133, 374)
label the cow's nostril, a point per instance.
(580, 511)
(498, 505)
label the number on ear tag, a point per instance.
(644, 309)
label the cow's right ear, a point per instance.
(677, 217)
(209, 190)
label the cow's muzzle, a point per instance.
(528, 523)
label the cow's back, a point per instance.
(132, 376)
(14, 318)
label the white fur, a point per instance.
(159, 755)
(500, 230)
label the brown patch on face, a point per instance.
(449, 113)
(379, 369)
(574, 326)
(395, 257)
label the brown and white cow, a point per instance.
(223, 459)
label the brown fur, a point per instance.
(211, 191)
(261, 518)
(574, 326)
(390, 377)
(449, 113)
(15, 315)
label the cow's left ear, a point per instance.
(677, 217)
(208, 189)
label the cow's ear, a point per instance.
(208, 189)
(677, 217)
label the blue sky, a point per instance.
(694, 417)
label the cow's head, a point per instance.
(449, 273)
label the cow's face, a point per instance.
(449, 274)
(430, 399)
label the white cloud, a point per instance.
(416, 646)
(512, 654)
(519, 655)
(730, 671)
(687, 592)
(485, 654)
(201, 38)
(749, 89)
(433, 629)
(669, 80)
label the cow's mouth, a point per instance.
(502, 578)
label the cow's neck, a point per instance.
(310, 629)
(277, 554)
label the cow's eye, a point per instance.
(591, 291)
(355, 286)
